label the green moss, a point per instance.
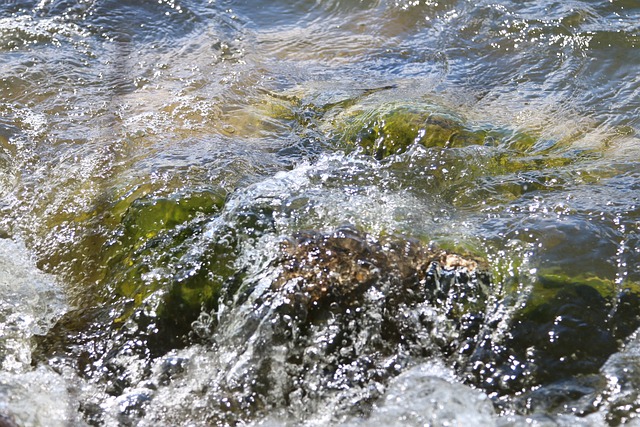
(163, 266)
(557, 281)
(549, 284)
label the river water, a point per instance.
(153, 150)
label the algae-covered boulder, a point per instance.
(150, 253)
(391, 128)
(368, 120)
(158, 277)
(378, 125)
(383, 133)
(567, 327)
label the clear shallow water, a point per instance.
(108, 102)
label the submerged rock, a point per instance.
(556, 340)
(150, 267)
(366, 120)
(340, 266)
(156, 281)
(392, 129)
(329, 318)
(332, 316)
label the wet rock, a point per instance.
(149, 265)
(366, 299)
(6, 421)
(340, 313)
(391, 128)
(321, 269)
(363, 119)
(566, 330)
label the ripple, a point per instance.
(115, 112)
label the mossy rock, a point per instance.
(548, 284)
(158, 277)
(166, 263)
(152, 262)
(566, 327)
(147, 217)
(391, 128)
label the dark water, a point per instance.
(139, 138)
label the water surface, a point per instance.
(113, 111)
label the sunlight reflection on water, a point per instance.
(105, 102)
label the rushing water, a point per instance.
(158, 158)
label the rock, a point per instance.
(338, 267)
(391, 128)
(567, 328)
(333, 315)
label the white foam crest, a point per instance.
(30, 302)
(38, 398)
(334, 191)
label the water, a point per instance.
(159, 161)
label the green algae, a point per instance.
(549, 283)
(147, 217)
(158, 274)
(150, 254)
(394, 132)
